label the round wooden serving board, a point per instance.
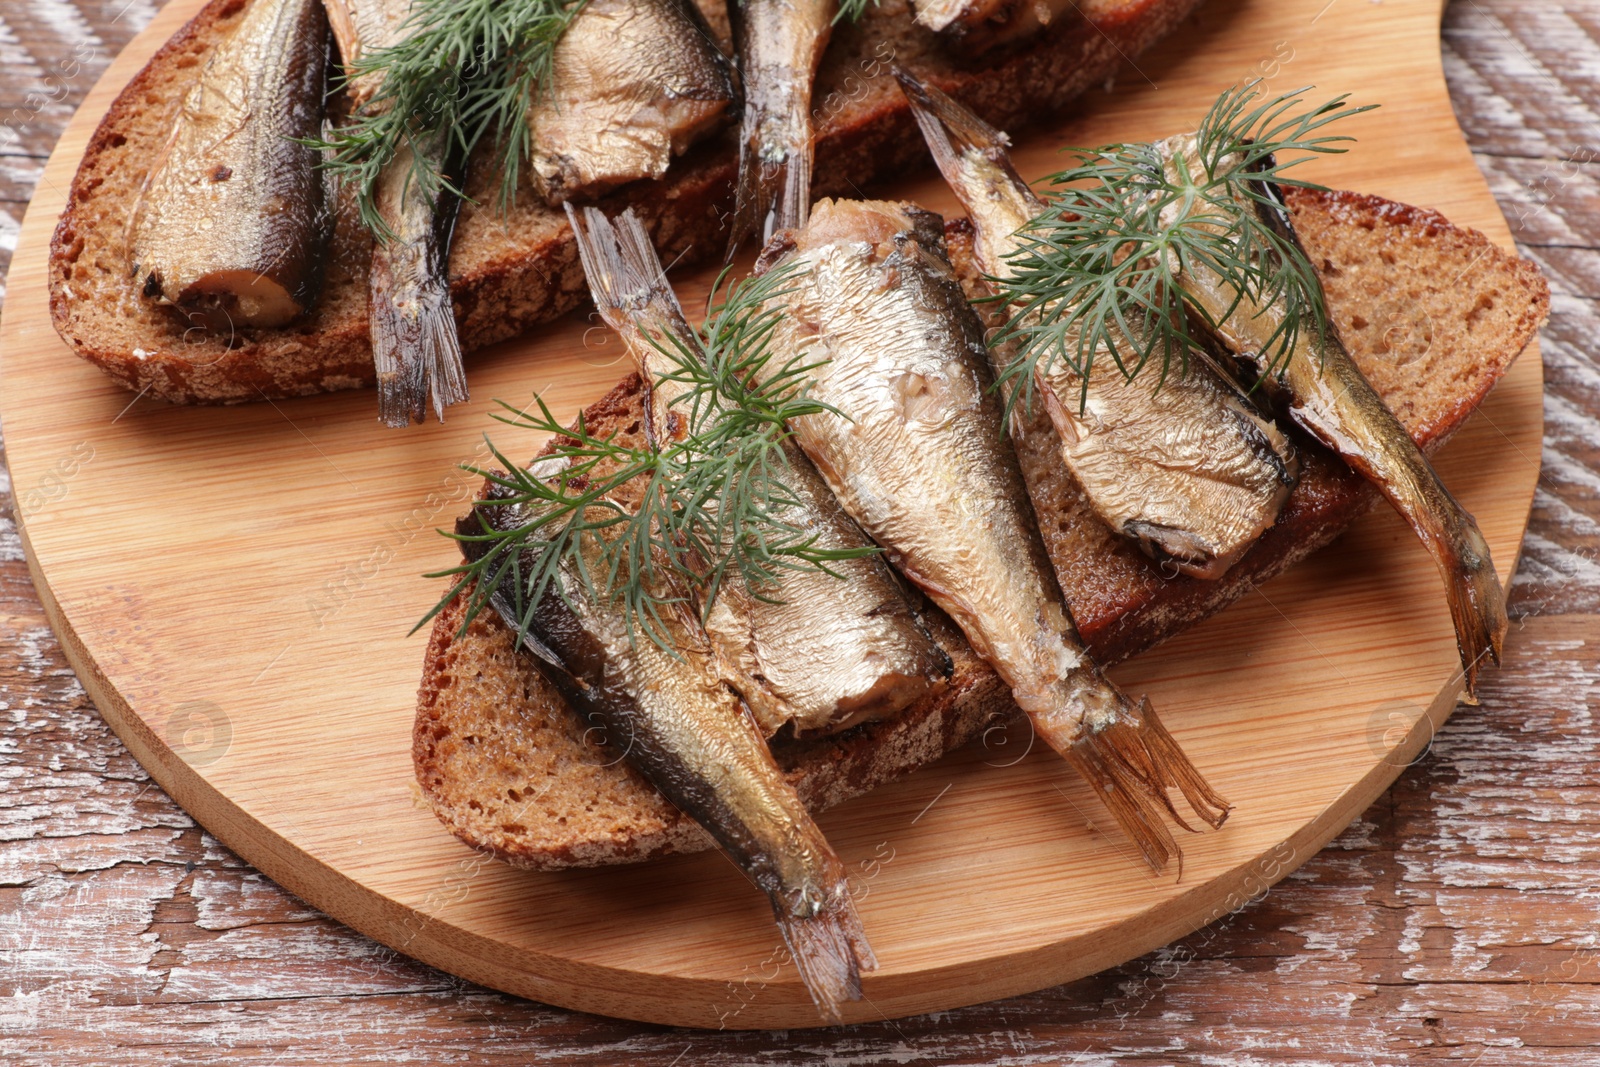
(235, 586)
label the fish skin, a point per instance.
(1332, 399)
(979, 25)
(918, 457)
(633, 84)
(1185, 468)
(780, 45)
(668, 712)
(361, 27)
(415, 349)
(823, 652)
(229, 224)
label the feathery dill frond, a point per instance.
(711, 505)
(466, 68)
(1097, 270)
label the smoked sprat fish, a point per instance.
(415, 349)
(780, 44)
(229, 225)
(633, 84)
(668, 712)
(823, 651)
(918, 457)
(1186, 468)
(1332, 399)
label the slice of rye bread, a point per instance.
(508, 273)
(1432, 313)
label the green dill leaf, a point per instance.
(1096, 273)
(464, 70)
(710, 508)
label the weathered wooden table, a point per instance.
(1458, 920)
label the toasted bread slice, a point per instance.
(508, 273)
(1434, 315)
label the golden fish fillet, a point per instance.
(780, 44)
(633, 84)
(668, 712)
(229, 225)
(412, 321)
(918, 457)
(1332, 399)
(1183, 466)
(822, 652)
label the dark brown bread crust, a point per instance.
(1433, 314)
(510, 273)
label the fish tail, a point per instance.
(829, 948)
(414, 346)
(752, 196)
(775, 159)
(791, 207)
(1477, 601)
(772, 194)
(441, 347)
(1391, 460)
(951, 129)
(632, 294)
(1133, 762)
(625, 274)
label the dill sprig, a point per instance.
(1097, 270)
(466, 70)
(643, 527)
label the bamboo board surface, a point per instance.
(234, 587)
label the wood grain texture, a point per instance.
(1451, 922)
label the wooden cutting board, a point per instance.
(235, 586)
